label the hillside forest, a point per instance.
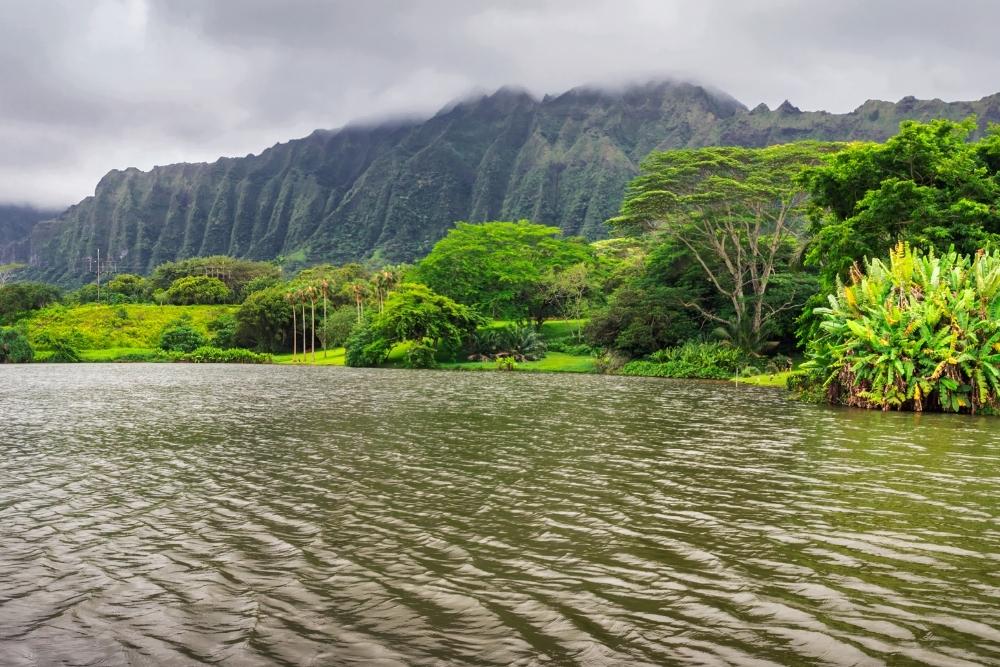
(872, 268)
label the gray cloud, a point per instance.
(90, 86)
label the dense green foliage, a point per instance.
(101, 327)
(417, 317)
(19, 299)
(236, 274)
(919, 332)
(62, 349)
(198, 290)
(180, 336)
(520, 343)
(391, 191)
(928, 186)
(710, 361)
(337, 326)
(264, 320)
(207, 354)
(14, 347)
(502, 269)
(740, 215)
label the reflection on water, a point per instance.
(168, 514)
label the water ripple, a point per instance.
(184, 515)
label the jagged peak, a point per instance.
(760, 108)
(788, 108)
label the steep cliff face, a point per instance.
(392, 190)
(16, 223)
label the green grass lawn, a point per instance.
(779, 380)
(553, 362)
(334, 357)
(113, 353)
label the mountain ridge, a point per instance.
(388, 190)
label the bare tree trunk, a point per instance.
(295, 335)
(324, 323)
(304, 330)
(312, 342)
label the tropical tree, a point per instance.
(264, 318)
(18, 299)
(414, 315)
(501, 268)
(928, 185)
(191, 290)
(739, 212)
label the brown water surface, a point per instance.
(240, 515)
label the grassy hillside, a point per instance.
(101, 327)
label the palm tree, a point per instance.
(325, 289)
(311, 293)
(359, 299)
(290, 298)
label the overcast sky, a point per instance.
(91, 85)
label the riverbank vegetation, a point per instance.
(725, 262)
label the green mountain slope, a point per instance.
(16, 223)
(392, 190)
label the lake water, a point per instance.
(177, 514)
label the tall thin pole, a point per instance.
(295, 331)
(98, 275)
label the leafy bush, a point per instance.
(419, 354)
(522, 343)
(919, 333)
(19, 299)
(207, 354)
(337, 326)
(264, 320)
(180, 336)
(692, 360)
(14, 347)
(506, 364)
(366, 347)
(223, 330)
(202, 290)
(577, 349)
(64, 349)
(130, 286)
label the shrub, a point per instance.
(264, 320)
(522, 343)
(419, 354)
(18, 299)
(130, 286)
(366, 347)
(207, 354)
(223, 330)
(14, 347)
(337, 326)
(692, 360)
(180, 336)
(64, 349)
(577, 349)
(191, 290)
(920, 332)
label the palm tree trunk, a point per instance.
(304, 330)
(295, 335)
(312, 341)
(324, 323)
